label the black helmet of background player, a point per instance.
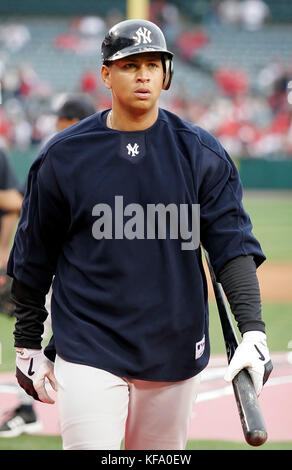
(131, 37)
(73, 109)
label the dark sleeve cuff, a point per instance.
(30, 313)
(240, 284)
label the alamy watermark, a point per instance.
(160, 221)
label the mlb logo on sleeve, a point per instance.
(200, 347)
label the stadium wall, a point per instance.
(266, 174)
(255, 174)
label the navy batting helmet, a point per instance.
(131, 37)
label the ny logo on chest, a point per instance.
(133, 150)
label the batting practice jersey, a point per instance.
(113, 216)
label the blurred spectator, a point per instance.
(6, 129)
(8, 220)
(73, 108)
(10, 82)
(44, 126)
(91, 26)
(212, 16)
(14, 36)
(250, 14)
(166, 15)
(28, 80)
(22, 134)
(253, 14)
(189, 42)
(249, 124)
(66, 110)
(229, 12)
(83, 34)
(22, 81)
(278, 96)
(68, 41)
(269, 74)
(20, 127)
(288, 140)
(156, 12)
(89, 82)
(231, 82)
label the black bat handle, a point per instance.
(229, 335)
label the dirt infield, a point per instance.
(275, 282)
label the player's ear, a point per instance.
(105, 73)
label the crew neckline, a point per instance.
(104, 115)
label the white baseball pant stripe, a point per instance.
(98, 409)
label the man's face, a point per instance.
(135, 81)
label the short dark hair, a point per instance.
(76, 107)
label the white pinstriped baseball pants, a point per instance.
(98, 409)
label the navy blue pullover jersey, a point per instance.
(127, 298)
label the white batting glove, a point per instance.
(252, 354)
(33, 369)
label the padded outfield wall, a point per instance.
(255, 173)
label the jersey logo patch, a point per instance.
(133, 150)
(30, 369)
(261, 356)
(200, 348)
(142, 35)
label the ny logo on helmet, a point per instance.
(133, 150)
(142, 34)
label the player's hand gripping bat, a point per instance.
(252, 422)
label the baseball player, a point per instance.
(116, 210)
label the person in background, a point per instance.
(8, 218)
(10, 200)
(10, 206)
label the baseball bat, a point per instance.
(251, 418)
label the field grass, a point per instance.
(278, 319)
(27, 442)
(272, 219)
(271, 215)
(228, 445)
